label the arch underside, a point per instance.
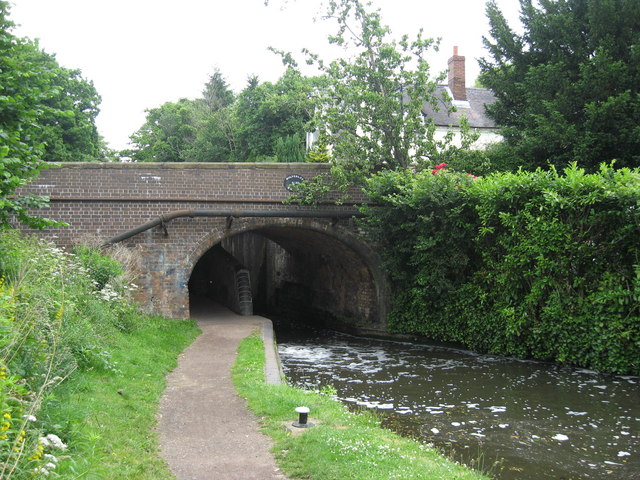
(308, 271)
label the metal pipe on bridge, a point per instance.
(230, 215)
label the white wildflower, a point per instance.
(56, 442)
(29, 418)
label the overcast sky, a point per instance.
(143, 53)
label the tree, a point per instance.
(215, 137)
(567, 87)
(200, 130)
(289, 149)
(67, 120)
(167, 134)
(220, 127)
(370, 106)
(266, 112)
(25, 87)
(217, 94)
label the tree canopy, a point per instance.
(567, 86)
(24, 86)
(66, 124)
(224, 127)
(370, 105)
(167, 134)
(47, 113)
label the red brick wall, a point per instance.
(106, 199)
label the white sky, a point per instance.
(143, 53)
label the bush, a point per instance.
(529, 264)
(101, 269)
(289, 149)
(318, 154)
(57, 313)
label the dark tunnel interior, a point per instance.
(297, 275)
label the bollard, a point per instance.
(303, 414)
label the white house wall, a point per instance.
(486, 138)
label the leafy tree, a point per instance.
(266, 112)
(67, 121)
(220, 127)
(215, 137)
(567, 87)
(167, 134)
(25, 86)
(370, 106)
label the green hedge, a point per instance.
(530, 264)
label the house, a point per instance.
(469, 103)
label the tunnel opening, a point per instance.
(296, 275)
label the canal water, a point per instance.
(514, 419)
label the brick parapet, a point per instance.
(221, 182)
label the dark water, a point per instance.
(537, 420)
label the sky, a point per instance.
(143, 53)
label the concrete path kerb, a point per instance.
(205, 429)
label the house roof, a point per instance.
(473, 108)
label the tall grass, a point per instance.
(81, 369)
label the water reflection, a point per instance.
(537, 420)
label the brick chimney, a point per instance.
(456, 76)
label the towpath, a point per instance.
(205, 429)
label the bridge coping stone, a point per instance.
(192, 165)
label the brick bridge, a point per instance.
(211, 230)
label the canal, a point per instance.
(513, 419)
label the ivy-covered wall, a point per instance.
(540, 264)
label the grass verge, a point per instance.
(343, 445)
(108, 418)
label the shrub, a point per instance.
(529, 264)
(319, 154)
(289, 149)
(57, 311)
(101, 269)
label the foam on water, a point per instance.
(540, 418)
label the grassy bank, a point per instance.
(81, 369)
(108, 418)
(343, 445)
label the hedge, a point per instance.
(530, 264)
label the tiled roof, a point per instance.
(477, 98)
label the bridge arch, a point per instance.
(305, 269)
(171, 214)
